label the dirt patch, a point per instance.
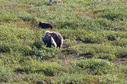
(65, 45)
(47, 80)
(121, 61)
(91, 15)
(23, 7)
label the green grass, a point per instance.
(95, 42)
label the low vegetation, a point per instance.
(94, 49)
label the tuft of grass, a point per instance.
(25, 16)
(6, 72)
(92, 50)
(120, 42)
(96, 66)
(75, 78)
(45, 68)
(113, 13)
(106, 56)
(111, 37)
(121, 52)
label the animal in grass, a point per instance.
(53, 39)
(45, 25)
(55, 1)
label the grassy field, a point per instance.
(94, 49)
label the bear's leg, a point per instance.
(53, 42)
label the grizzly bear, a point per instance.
(45, 25)
(53, 39)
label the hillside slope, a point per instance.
(94, 49)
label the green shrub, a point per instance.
(120, 42)
(48, 69)
(5, 47)
(13, 39)
(90, 24)
(8, 47)
(124, 69)
(45, 52)
(25, 16)
(121, 52)
(91, 37)
(69, 34)
(112, 78)
(74, 79)
(86, 36)
(93, 49)
(96, 66)
(6, 73)
(30, 65)
(69, 51)
(52, 69)
(38, 44)
(105, 56)
(31, 2)
(111, 37)
(108, 78)
(112, 13)
(6, 16)
(87, 52)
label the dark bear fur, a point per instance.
(45, 25)
(53, 38)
